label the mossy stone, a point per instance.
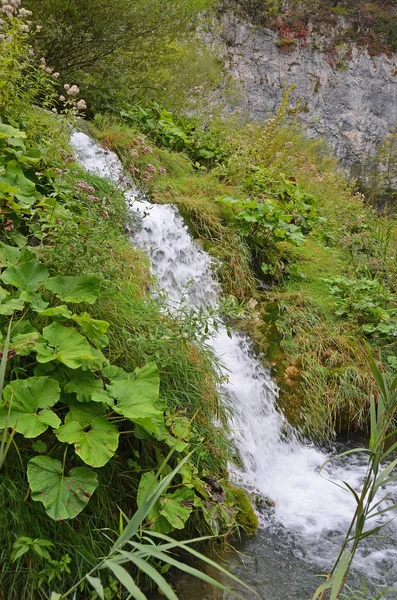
(246, 516)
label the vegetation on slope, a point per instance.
(97, 382)
(296, 241)
(330, 24)
(308, 269)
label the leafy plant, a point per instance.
(145, 546)
(371, 499)
(367, 302)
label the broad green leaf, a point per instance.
(95, 330)
(85, 413)
(66, 345)
(8, 132)
(146, 506)
(146, 486)
(24, 190)
(95, 446)
(12, 305)
(30, 400)
(75, 289)
(27, 276)
(35, 300)
(9, 255)
(87, 387)
(177, 507)
(63, 496)
(135, 397)
(112, 372)
(24, 343)
(39, 446)
(57, 313)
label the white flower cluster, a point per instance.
(10, 8)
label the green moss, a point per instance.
(246, 517)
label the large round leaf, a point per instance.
(95, 446)
(26, 276)
(136, 397)
(66, 345)
(63, 496)
(87, 387)
(75, 289)
(27, 403)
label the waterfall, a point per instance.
(276, 463)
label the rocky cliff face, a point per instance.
(352, 103)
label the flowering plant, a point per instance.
(23, 79)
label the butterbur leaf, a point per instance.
(57, 313)
(75, 289)
(30, 400)
(177, 507)
(39, 446)
(94, 329)
(135, 397)
(27, 276)
(85, 413)
(24, 343)
(63, 496)
(11, 306)
(147, 485)
(35, 300)
(8, 132)
(87, 387)
(95, 446)
(66, 345)
(9, 255)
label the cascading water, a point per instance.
(310, 513)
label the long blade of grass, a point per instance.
(205, 559)
(377, 374)
(135, 523)
(125, 579)
(339, 575)
(166, 558)
(352, 451)
(381, 479)
(383, 511)
(96, 583)
(151, 572)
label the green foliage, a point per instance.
(368, 303)
(131, 47)
(380, 448)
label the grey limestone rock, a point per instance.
(353, 107)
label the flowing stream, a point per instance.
(300, 535)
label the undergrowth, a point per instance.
(318, 228)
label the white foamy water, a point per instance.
(276, 463)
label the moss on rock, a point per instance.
(246, 516)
